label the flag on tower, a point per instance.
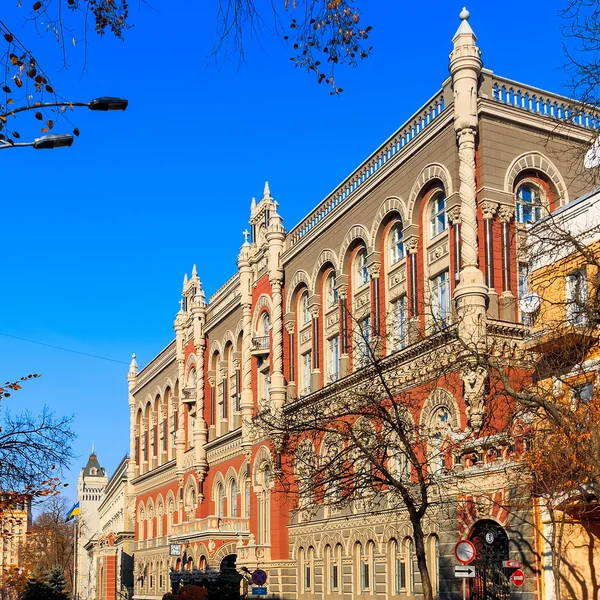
(74, 512)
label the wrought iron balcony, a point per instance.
(261, 345)
(188, 393)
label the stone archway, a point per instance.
(492, 580)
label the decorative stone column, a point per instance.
(488, 210)
(246, 402)
(315, 376)
(508, 304)
(131, 382)
(180, 436)
(200, 433)
(454, 218)
(275, 238)
(342, 288)
(471, 293)
(411, 243)
(290, 327)
(374, 271)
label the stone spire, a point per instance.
(266, 191)
(133, 367)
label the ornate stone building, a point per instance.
(110, 549)
(91, 483)
(421, 245)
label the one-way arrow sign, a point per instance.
(464, 571)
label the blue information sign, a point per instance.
(259, 591)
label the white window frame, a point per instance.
(440, 299)
(528, 211)
(399, 322)
(333, 358)
(332, 293)
(576, 296)
(304, 305)
(438, 219)
(306, 365)
(362, 272)
(397, 249)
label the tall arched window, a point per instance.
(332, 293)
(304, 307)
(362, 273)
(529, 203)
(221, 500)
(439, 426)
(410, 560)
(397, 251)
(233, 500)
(266, 324)
(438, 221)
(247, 497)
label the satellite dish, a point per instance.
(529, 303)
(592, 156)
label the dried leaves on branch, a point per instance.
(324, 34)
(32, 449)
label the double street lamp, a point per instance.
(58, 140)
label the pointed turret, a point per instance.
(266, 191)
(133, 369)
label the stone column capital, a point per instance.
(374, 270)
(488, 209)
(506, 212)
(454, 215)
(411, 244)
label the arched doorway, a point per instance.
(491, 581)
(228, 581)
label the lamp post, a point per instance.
(45, 142)
(59, 140)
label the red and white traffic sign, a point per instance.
(518, 578)
(464, 552)
(511, 564)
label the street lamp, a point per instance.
(108, 103)
(45, 142)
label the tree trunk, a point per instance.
(422, 557)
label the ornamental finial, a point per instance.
(464, 14)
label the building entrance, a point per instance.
(492, 579)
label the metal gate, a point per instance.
(492, 580)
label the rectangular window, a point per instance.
(364, 338)
(334, 576)
(307, 578)
(364, 575)
(399, 324)
(583, 394)
(306, 372)
(440, 300)
(400, 575)
(577, 297)
(333, 358)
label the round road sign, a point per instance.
(518, 578)
(464, 552)
(259, 577)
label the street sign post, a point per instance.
(518, 578)
(465, 553)
(464, 571)
(259, 577)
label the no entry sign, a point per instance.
(518, 578)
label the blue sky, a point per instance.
(97, 237)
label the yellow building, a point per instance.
(15, 520)
(561, 307)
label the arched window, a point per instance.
(362, 273)
(438, 221)
(529, 203)
(397, 251)
(332, 293)
(266, 324)
(247, 497)
(410, 561)
(440, 424)
(305, 312)
(220, 500)
(233, 500)
(434, 557)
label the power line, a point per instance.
(16, 337)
